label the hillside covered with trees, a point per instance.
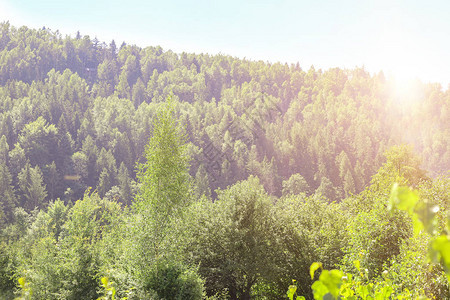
(248, 174)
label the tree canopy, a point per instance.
(141, 173)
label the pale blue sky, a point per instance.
(403, 38)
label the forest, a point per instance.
(140, 173)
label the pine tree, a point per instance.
(52, 179)
(106, 161)
(202, 183)
(7, 129)
(91, 151)
(349, 184)
(344, 164)
(225, 173)
(4, 148)
(124, 184)
(326, 189)
(104, 182)
(253, 164)
(17, 161)
(32, 186)
(113, 48)
(65, 146)
(268, 174)
(138, 93)
(123, 88)
(8, 197)
(359, 177)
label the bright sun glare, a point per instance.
(401, 56)
(405, 92)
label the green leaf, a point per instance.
(403, 198)
(332, 280)
(313, 268)
(22, 282)
(442, 245)
(319, 290)
(417, 225)
(357, 264)
(346, 292)
(363, 291)
(291, 291)
(104, 281)
(426, 213)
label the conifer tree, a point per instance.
(104, 182)
(138, 93)
(7, 197)
(202, 182)
(124, 184)
(326, 189)
(4, 148)
(32, 186)
(52, 180)
(123, 88)
(90, 150)
(349, 184)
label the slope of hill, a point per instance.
(77, 113)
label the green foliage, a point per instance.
(326, 189)
(32, 186)
(8, 199)
(311, 231)
(405, 278)
(374, 239)
(7, 261)
(295, 185)
(59, 254)
(57, 214)
(202, 183)
(403, 198)
(109, 289)
(164, 177)
(25, 290)
(124, 180)
(151, 232)
(329, 283)
(401, 166)
(76, 114)
(234, 240)
(334, 284)
(292, 292)
(56, 91)
(170, 280)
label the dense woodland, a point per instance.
(248, 174)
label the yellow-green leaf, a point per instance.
(332, 280)
(417, 225)
(442, 244)
(291, 291)
(104, 281)
(22, 281)
(403, 198)
(357, 264)
(313, 268)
